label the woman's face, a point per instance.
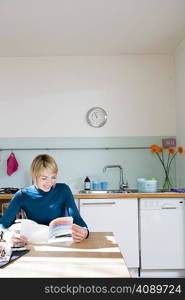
(46, 179)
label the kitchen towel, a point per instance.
(12, 164)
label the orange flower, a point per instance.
(160, 149)
(154, 148)
(180, 150)
(171, 150)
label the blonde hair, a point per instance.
(40, 162)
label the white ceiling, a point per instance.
(90, 27)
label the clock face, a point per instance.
(96, 117)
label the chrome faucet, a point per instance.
(122, 185)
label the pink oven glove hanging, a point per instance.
(12, 164)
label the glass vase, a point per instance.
(167, 185)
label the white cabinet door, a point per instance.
(119, 216)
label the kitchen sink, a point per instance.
(114, 191)
(103, 192)
(131, 190)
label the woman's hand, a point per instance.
(20, 241)
(78, 233)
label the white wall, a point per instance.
(49, 96)
(180, 102)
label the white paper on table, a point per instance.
(34, 232)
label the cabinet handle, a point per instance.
(168, 207)
(98, 203)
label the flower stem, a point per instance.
(171, 160)
(167, 182)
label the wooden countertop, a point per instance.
(114, 196)
(97, 256)
(129, 195)
(6, 196)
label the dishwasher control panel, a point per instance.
(161, 203)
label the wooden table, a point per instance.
(97, 256)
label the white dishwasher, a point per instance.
(162, 233)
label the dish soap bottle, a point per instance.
(87, 184)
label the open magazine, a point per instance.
(59, 230)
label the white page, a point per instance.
(34, 232)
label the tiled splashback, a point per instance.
(83, 156)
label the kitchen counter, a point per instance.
(114, 195)
(6, 196)
(129, 195)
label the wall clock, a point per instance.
(96, 117)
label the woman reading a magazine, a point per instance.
(45, 200)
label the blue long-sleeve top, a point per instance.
(42, 207)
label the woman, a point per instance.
(45, 200)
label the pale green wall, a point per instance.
(180, 109)
(83, 156)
